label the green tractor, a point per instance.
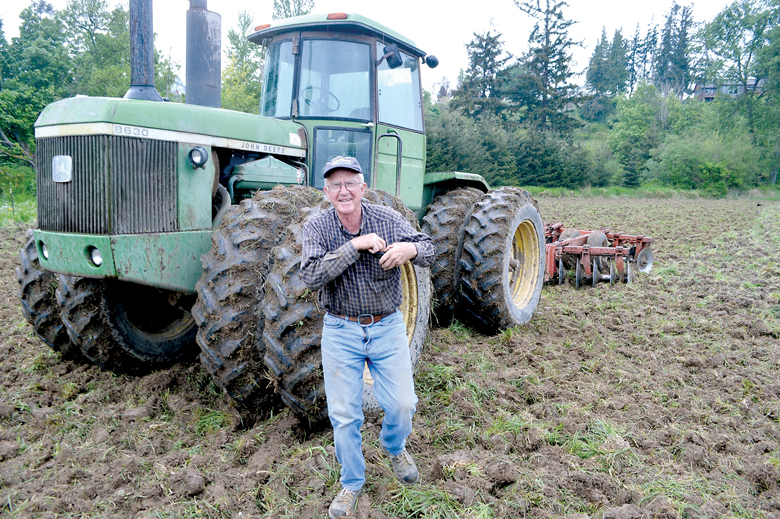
(162, 226)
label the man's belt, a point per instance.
(363, 319)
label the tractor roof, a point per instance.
(334, 22)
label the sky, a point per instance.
(437, 27)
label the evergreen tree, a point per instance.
(619, 63)
(478, 88)
(608, 69)
(672, 63)
(546, 67)
(597, 74)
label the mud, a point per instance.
(655, 399)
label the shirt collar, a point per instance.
(362, 222)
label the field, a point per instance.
(655, 399)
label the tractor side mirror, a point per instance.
(392, 55)
(432, 61)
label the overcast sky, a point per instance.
(437, 27)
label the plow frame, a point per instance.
(623, 250)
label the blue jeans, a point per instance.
(346, 347)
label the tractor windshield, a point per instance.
(334, 80)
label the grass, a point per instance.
(648, 191)
(23, 210)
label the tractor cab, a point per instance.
(355, 87)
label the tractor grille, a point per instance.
(120, 185)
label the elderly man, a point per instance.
(351, 254)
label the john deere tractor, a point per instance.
(166, 230)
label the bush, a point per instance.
(705, 162)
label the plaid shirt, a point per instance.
(350, 282)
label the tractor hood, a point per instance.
(171, 122)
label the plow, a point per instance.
(594, 255)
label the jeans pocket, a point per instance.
(392, 319)
(332, 322)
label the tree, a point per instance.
(42, 72)
(100, 45)
(735, 37)
(608, 69)
(289, 8)
(545, 68)
(672, 64)
(241, 79)
(478, 88)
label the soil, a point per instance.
(654, 399)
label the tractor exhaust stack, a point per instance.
(142, 52)
(204, 56)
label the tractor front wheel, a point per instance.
(39, 306)
(125, 327)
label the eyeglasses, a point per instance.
(352, 185)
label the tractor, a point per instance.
(167, 230)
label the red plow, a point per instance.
(595, 255)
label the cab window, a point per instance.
(400, 102)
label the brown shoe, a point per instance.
(404, 467)
(344, 503)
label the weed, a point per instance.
(208, 421)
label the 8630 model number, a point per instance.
(130, 131)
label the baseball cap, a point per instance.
(340, 162)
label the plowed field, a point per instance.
(655, 399)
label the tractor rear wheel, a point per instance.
(502, 261)
(293, 322)
(231, 289)
(39, 305)
(126, 327)
(444, 224)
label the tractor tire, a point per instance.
(126, 327)
(443, 222)
(39, 305)
(231, 289)
(293, 323)
(502, 261)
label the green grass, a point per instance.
(648, 191)
(24, 210)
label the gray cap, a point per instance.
(340, 162)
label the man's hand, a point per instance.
(370, 242)
(397, 254)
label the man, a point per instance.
(351, 254)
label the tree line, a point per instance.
(681, 104)
(640, 118)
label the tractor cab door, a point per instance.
(400, 127)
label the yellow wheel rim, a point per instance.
(523, 271)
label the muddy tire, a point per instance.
(231, 289)
(502, 261)
(293, 323)
(444, 222)
(39, 304)
(125, 327)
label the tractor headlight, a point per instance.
(44, 251)
(95, 256)
(198, 156)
